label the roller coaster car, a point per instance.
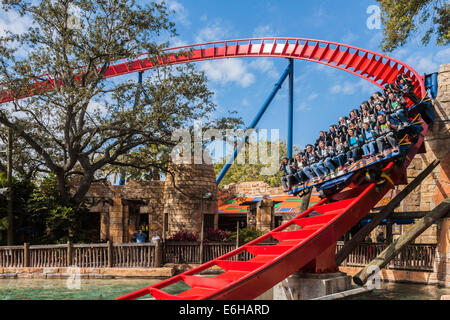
(372, 172)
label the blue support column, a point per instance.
(431, 83)
(291, 110)
(255, 121)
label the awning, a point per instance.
(286, 204)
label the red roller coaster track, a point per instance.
(312, 246)
(371, 66)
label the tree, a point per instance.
(88, 122)
(403, 18)
(253, 172)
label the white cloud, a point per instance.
(228, 70)
(343, 88)
(351, 87)
(303, 107)
(12, 21)
(443, 56)
(181, 14)
(265, 66)
(177, 42)
(263, 31)
(422, 63)
(312, 96)
(375, 40)
(218, 30)
(95, 106)
(349, 38)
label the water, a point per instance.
(90, 289)
(106, 289)
(403, 291)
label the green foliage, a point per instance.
(22, 189)
(57, 222)
(403, 18)
(246, 234)
(39, 215)
(94, 124)
(253, 172)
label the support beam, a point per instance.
(394, 249)
(290, 137)
(383, 214)
(255, 121)
(305, 201)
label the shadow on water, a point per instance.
(403, 291)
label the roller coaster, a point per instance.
(308, 241)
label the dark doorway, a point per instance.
(208, 221)
(228, 222)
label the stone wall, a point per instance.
(253, 188)
(436, 187)
(186, 196)
(179, 200)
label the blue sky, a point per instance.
(322, 94)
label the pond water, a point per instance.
(89, 289)
(106, 289)
(403, 291)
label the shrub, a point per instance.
(183, 236)
(216, 235)
(246, 234)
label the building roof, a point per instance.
(284, 204)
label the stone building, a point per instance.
(176, 204)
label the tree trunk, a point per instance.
(83, 188)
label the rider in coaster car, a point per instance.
(378, 97)
(390, 88)
(326, 155)
(396, 107)
(353, 116)
(404, 85)
(288, 179)
(366, 106)
(355, 125)
(354, 143)
(311, 164)
(379, 109)
(331, 134)
(385, 130)
(369, 135)
(339, 153)
(322, 137)
(299, 165)
(367, 117)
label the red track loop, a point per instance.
(371, 66)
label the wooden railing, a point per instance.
(417, 257)
(414, 257)
(11, 256)
(189, 252)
